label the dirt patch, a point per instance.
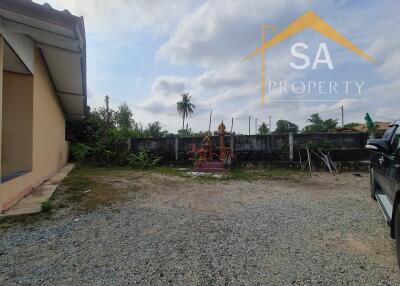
(377, 250)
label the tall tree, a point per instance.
(185, 107)
(154, 130)
(263, 129)
(124, 117)
(320, 125)
(284, 126)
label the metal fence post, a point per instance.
(129, 144)
(176, 148)
(291, 146)
(232, 144)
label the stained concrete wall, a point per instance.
(50, 150)
(347, 146)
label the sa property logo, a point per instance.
(308, 21)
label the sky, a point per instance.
(148, 52)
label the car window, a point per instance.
(395, 139)
(388, 133)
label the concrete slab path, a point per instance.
(32, 203)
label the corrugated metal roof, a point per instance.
(61, 38)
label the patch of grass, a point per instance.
(26, 219)
(87, 188)
(171, 171)
(46, 206)
(278, 173)
(239, 173)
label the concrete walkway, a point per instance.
(32, 203)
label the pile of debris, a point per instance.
(320, 154)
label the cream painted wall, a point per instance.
(17, 115)
(50, 150)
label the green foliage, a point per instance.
(189, 133)
(143, 160)
(284, 126)
(185, 132)
(351, 125)
(263, 129)
(79, 152)
(124, 117)
(201, 134)
(154, 130)
(319, 125)
(46, 207)
(185, 107)
(101, 139)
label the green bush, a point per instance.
(46, 207)
(143, 160)
(79, 152)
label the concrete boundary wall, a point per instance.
(282, 147)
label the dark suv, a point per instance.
(385, 178)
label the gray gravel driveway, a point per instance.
(322, 230)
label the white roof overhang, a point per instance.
(63, 51)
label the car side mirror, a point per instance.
(378, 145)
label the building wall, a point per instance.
(17, 123)
(50, 150)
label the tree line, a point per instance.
(100, 135)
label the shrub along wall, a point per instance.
(346, 146)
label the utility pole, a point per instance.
(249, 124)
(232, 127)
(209, 124)
(107, 100)
(255, 123)
(342, 116)
(270, 124)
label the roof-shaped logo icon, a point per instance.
(309, 20)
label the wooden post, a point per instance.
(291, 146)
(232, 142)
(249, 124)
(1, 96)
(176, 148)
(129, 144)
(209, 123)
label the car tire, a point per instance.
(373, 184)
(397, 232)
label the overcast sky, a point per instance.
(147, 52)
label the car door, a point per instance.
(381, 161)
(393, 165)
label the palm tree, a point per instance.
(185, 107)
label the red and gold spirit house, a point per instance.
(207, 161)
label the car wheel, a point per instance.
(397, 232)
(373, 183)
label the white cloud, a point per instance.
(215, 35)
(111, 18)
(169, 86)
(221, 31)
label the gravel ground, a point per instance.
(322, 230)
